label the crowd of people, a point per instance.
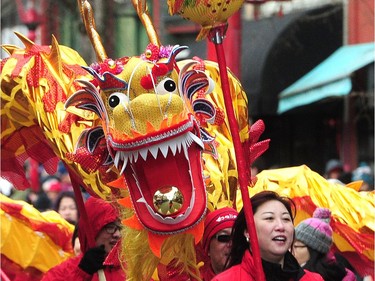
(336, 172)
(288, 252)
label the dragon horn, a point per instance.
(88, 19)
(142, 10)
(55, 57)
(26, 41)
(10, 49)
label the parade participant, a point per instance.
(334, 169)
(66, 206)
(103, 218)
(313, 241)
(273, 220)
(365, 174)
(216, 241)
(51, 186)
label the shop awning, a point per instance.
(331, 78)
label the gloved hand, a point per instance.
(93, 260)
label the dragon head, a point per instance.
(148, 109)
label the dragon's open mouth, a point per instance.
(165, 181)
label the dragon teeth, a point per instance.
(122, 169)
(117, 159)
(154, 151)
(135, 157)
(143, 153)
(164, 150)
(125, 159)
(178, 144)
(173, 148)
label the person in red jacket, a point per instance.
(273, 218)
(216, 241)
(103, 218)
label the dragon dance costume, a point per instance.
(151, 135)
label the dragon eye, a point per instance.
(166, 86)
(116, 98)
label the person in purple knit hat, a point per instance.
(313, 241)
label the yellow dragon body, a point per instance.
(148, 133)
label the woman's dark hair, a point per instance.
(42, 203)
(239, 243)
(330, 270)
(62, 195)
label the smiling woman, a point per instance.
(273, 218)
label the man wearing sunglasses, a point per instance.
(216, 241)
(103, 219)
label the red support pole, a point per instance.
(76, 183)
(217, 35)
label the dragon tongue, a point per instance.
(179, 174)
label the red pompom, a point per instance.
(146, 82)
(159, 70)
(152, 52)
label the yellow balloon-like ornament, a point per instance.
(207, 13)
